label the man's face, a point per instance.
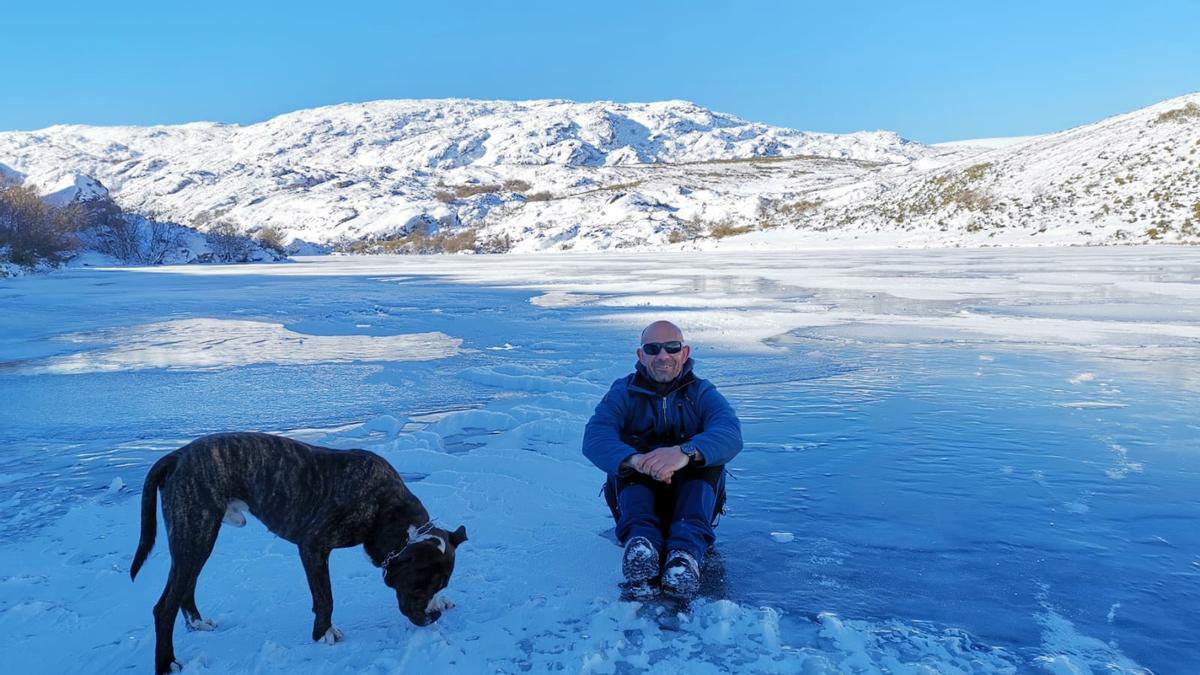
(663, 367)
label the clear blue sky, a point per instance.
(932, 71)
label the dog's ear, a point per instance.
(458, 536)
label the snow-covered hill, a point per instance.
(1129, 178)
(379, 169)
(556, 175)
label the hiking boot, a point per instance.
(681, 577)
(641, 561)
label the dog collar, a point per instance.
(416, 535)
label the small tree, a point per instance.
(271, 237)
(120, 238)
(32, 229)
(227, 242)
(160, 238)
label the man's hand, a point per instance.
(662, 463)
(635, 462)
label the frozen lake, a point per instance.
(956, 461)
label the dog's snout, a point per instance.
(423, 618)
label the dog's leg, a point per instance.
(165, 611)
(190, 613)
(316, 567)
(192, 535)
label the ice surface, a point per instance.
(957, 461)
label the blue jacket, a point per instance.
(632, 417)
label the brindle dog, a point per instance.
(317, 498)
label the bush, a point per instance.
(976, 171)
(33, 230)
(728, 229)
(500, 243)
(121, 238)
(776, 213)
(463, 240)
(1191, 111)
(419, 240)
(464, 191)
(687, 230)
(271, 237)
(227, 242)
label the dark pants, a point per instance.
(678, 515)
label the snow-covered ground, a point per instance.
(957, 461)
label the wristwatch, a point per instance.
(692, 452)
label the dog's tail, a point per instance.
(161, 469)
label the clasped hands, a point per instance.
(660, 463)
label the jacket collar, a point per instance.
(643, 384)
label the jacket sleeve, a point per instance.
(602, 442)
(721, 439)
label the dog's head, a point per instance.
(422, 569)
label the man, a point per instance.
(663, 436)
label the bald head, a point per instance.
(661, 331)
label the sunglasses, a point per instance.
(653, 348)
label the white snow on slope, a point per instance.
(1129, 178)
(554, 175)
(354, 171)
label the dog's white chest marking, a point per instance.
(234, 515)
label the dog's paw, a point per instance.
(332, 635)
(201, 624)
(439, 603)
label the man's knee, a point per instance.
(696, 491)
(636, 501)
(698, 500)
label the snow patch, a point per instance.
(202, 344)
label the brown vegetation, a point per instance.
(271, 237)
(727, 229)
(32, 230)
(419, 240)
(1189, 112)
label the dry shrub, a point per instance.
(271, 237)
(228, 243)
(34, 230)
(726, 228)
